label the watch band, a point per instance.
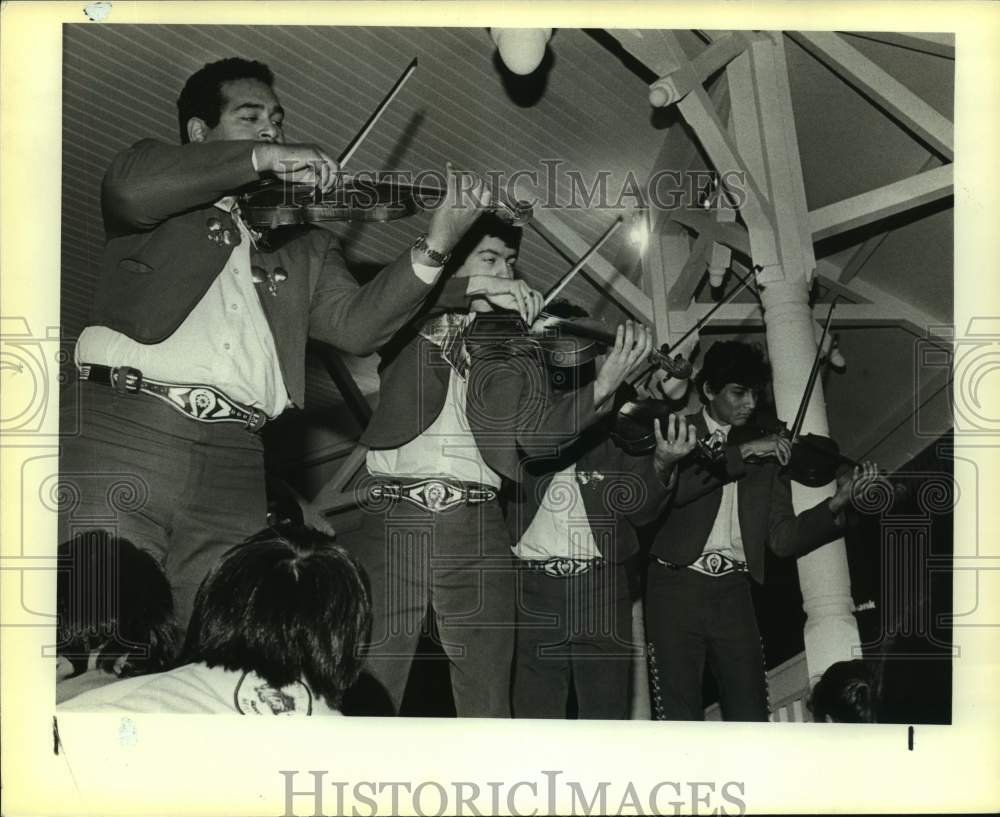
(439, 258)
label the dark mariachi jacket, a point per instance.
(764, 500)
(510, 407)
(620, 491)
(164, 250)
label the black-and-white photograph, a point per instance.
(642, 240)
(536, 374)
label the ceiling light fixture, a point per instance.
(521, 49)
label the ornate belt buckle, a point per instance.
(435, 495)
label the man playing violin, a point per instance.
(574, 524)
(198, 331)
(711, 542)
(457, 410)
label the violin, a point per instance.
(270, 204)
(565, 342)
(563, 333)
(815, 459)
(572, 342)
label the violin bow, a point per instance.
(362, 134)
(579, 265)
(744, 283)
(800, 415)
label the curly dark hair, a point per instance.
(287, 604)
(202, 93)
(732, 361)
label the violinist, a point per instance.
(711, 542)
(456, 412)
(198, 332)
(573, 523)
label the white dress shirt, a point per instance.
(725, 536)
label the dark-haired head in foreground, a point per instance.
(848, 692)
(289, 605)
(116, 612)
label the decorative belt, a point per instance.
(202, 403)
(711, 564)
(435, 494)
(560, 567)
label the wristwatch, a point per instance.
(439, 258)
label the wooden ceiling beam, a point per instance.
(888, 93)
(732, 234)
(685, 75)
(778, 115)
(669, 248)
(869, 246)
(845, 316)
(923, 325)
(844, 293)
(726, 158)
(885, 201)
(766, 136)
(940, 45)
(664, 255)
(664, 55)
(691, 273)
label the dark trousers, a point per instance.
(692, 618)
(183, 490)
(573, 630)
(457, 564)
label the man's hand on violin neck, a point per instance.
(466, 198)
(773, 446)
(633, 344)
(507, 293)
(300, 164)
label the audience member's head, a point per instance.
(115, 609)
(848, 692)
(289, 605)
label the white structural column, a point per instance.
(768, 126)
(831, 631)
(773, 207)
